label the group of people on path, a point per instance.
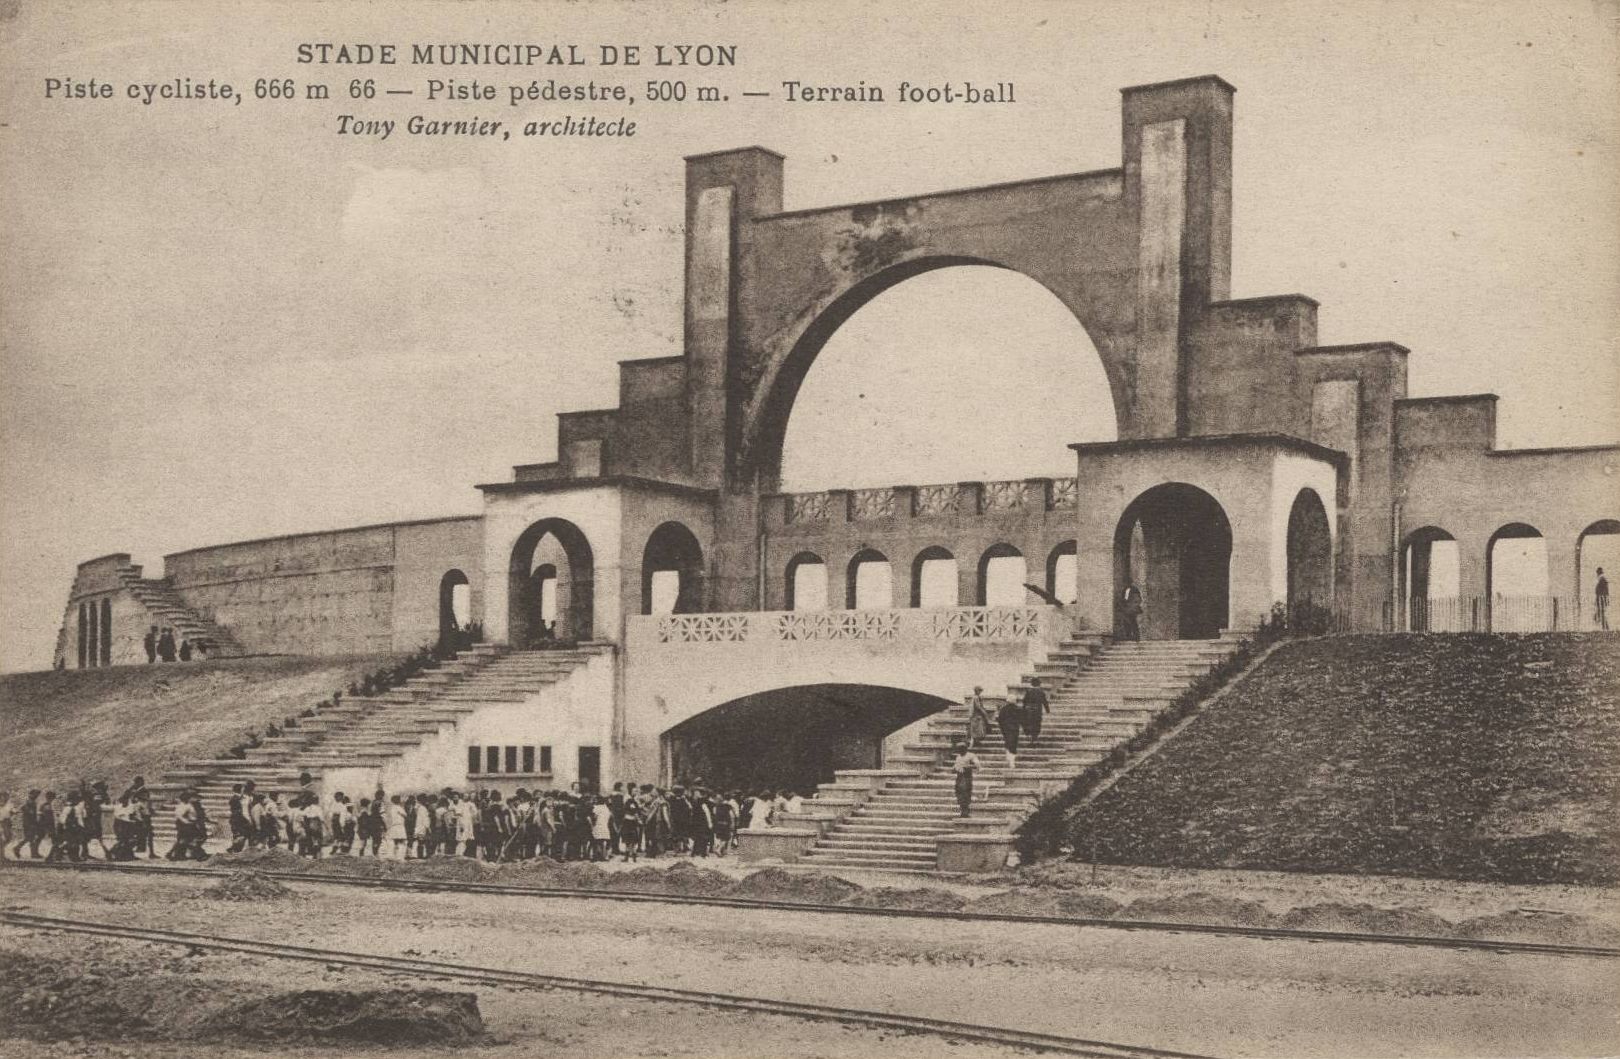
(1017, 718)
(629, 822)
(162, 646)
(68, 825)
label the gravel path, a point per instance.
(1220, 996)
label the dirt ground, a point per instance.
(518, 1024)
(1214, 995)
(1347, 903)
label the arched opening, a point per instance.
(1597, 555)
(1002, 575)
(106, 632)
(1431, 568)
(1516, 580)
(672, 571)
(987, 345)
(871, 581)
(1310, 560)
(934, 581)
(84, 637)
(544, 581)
(1063, 572)
(1174, 544)
(553, 552)
(791, 738)
(455, 605)
(806, 582)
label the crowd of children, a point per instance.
(629, 822)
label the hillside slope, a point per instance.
(114, 723)
(1470, 757)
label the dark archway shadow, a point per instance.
(673, 548)
(576, 587)
(1310, 558)
(1182, 565)
(791, 738)
(449, 626)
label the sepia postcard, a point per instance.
(595, 528)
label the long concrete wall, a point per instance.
(372, 589)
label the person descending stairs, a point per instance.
(1100, 694)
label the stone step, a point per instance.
(861, 858)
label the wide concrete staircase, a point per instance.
(159, 597)
(368, 732)
(1102, 693)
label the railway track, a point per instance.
(494, 976)
(631, 896)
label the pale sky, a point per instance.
(222, 322)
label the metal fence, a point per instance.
(1500, 614)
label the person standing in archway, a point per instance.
(1601, 600)
(1130, 613)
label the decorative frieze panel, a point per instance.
(945, 623)
(867, 504)
(808, 507)
(1008, 496)
(703, 628)
(940, 500)
(1065, 493)
(839, 625)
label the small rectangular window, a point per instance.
(511, 759)
(474, 756)
(528, 759)
(492, 757)
(545, 760)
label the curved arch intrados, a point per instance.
(765, 428)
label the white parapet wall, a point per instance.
(679, 666)
(574, 712)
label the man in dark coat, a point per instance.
(1036, 706)
(680, 820)
(149, 641)
(1010, 722)
(239, 820)
(1130, 613)
(30, 827)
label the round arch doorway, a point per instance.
(557, 543)
(1174, 544)
(1309, 561)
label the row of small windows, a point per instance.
(515, 760)
(1002, 579)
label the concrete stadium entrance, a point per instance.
(791, 737)
(1175, 544)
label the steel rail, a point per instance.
(1505, 947)
(1049, 1042)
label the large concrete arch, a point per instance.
(784, 369)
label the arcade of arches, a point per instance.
(1508, 585)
